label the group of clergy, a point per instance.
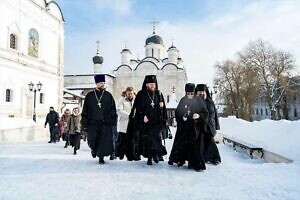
(141, 121)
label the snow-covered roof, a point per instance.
(81, 86)
(172, 102)
(77, 93)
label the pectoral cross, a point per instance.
(152, 104)
(99, 104)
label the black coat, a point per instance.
(145, 138)
(98, 122)
(52, 118)
(213, 120)
(210, 151)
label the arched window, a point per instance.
(152, 52)
(33, 43)
(295, 113)
(8, 95)
(13, 41)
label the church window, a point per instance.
(267, 112)
(168, 98)
(33, 43)
(13, 41)
(152, 52)
(261, 112)
(256, 111)
(8, 95)
(295, 113)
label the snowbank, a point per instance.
(14, 123)
(281, 137)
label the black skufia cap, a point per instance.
(201, 87)
(190, 87)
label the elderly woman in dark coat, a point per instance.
(211, 152)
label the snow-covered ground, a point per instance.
(14, 122)
(38, 170)
(281, 137)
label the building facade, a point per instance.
(288, 108)
(170, 71)
(31, 50)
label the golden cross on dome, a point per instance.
(98, 49)
(154, 23)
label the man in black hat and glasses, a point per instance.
(97, 118)
(146, 121)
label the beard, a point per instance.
(101, 88)
(151, 89)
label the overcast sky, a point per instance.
(204, 31)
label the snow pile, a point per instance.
(281, 137)
(14, 122)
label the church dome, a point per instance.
(97, 59)
(172, 47)
(125, 50)
(156, 39)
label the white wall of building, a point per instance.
(17, 68)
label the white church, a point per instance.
(170, 72)
(31, 51)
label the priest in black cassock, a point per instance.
(211, 152)
(191, 116)
(146, 122)
(98, 117)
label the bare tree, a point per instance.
(273, 67)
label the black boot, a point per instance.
(155, 159)
(93, 154)
(149, 162)
(112, 157)
(75, 152)
(180, 164)
(170, 162)
(160, 158)
(101, 161)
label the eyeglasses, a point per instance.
(190, 93)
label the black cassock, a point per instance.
(211, 152)
(189, 139)
(145, 138)
(98, 121)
